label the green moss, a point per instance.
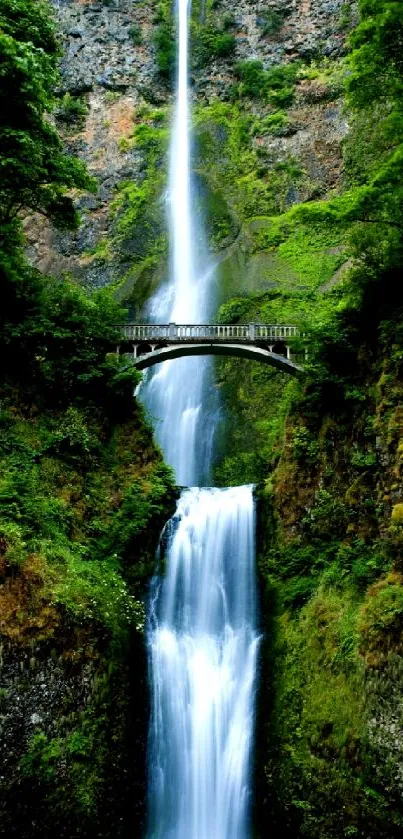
(164, 40)
(275, 85)
(397, 514)
(381, 619)
(78, 752)
(139, 222)
(69, 497)
(318, 756)
(251, 185)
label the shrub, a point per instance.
(214, 43)
(273, 20)
(276, 124)
(136, 35)
(305, 447)
(275, 85)
(165, 42)
(327, 517)
(72, 109)
(11, 543)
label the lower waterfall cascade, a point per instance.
(203, 648)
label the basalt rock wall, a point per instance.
(111, 66)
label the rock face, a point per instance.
(72, 736)
(99, 44)
(109, 66)
(279, 31)
(108, 58)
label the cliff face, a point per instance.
(73, 726)
(330, 561)
(83, 500)
(102, 69)
(287, 146)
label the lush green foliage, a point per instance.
(165, 43)
(211, 42)
(275, 85)
(327, 454)
(74, 502)
(34, 170)
(212, 38)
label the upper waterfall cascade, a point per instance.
(202, 626)
(184, 438)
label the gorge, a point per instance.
(295, 196)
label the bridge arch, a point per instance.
(251, 352)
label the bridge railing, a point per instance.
(217, 332)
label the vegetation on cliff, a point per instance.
(84, 492)
(331, 508)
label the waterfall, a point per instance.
(202, 625)
(203, 655)
(174, 394)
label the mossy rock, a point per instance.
(397, 514)
(141, 282)
(221, 223)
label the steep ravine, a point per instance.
(326, 454)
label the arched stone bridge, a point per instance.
(151, 344)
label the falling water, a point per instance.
(203, 654)
(202, 627)
(174, 394)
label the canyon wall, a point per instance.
(254, 156)
(272, 134)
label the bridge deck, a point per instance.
(241, 333)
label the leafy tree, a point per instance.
(376, 60)
(53, 337)
(34, 171)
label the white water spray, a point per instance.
(202, 628)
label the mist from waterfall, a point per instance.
(202, 634)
